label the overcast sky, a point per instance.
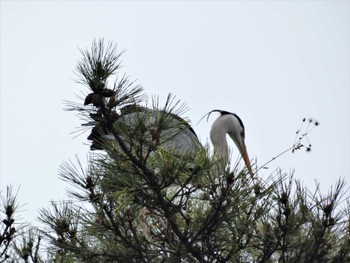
(271, 62)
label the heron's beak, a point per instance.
(245, 156)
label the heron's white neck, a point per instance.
(218, 133)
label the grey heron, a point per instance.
(178, 134)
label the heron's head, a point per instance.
(229, 123)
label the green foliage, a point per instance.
(142, 201)
(27, 249)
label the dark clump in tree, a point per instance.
(139, 201)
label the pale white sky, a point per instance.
(271, 62)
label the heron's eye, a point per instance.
(242, 133)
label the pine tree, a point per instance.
(142, 201)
